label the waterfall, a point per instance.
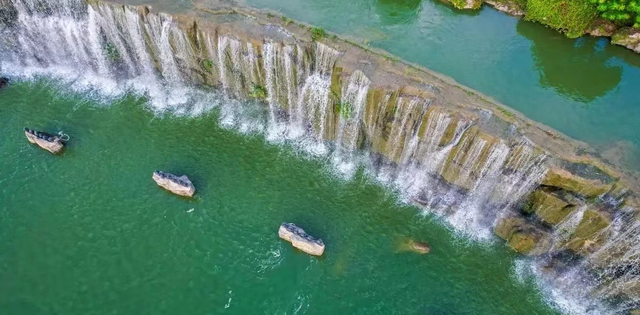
(439, 157)
(352, 102)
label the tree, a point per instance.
(623, 12)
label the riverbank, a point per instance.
(573, 18)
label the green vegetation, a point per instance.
(270, 15)
(571, 17)
(318, 33)
(286, 20)
(111, 51)
(344, 108)
(505, 112)
(622, 12)
(258, 91)
(207, 65)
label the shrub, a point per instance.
(621, 12)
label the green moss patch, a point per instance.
(572, 17)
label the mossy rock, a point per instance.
(590, 233)
(565, 180)
(523, 243)
(521, 235)
(602, 27)
(572, 17)
(627, 37)
(550, 208)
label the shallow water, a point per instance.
(89, 232)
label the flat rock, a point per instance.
(179, 185)
(49, 142)
(300, 239)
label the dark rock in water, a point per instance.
(300, 239)
(179, 185)
(3, 82)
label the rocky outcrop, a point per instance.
(523, 236)
(590, 234)
(300, 239)
(179, 185)
(509, 7)
(49, 142)
(627, 37)
(550, 207)
(602, 28)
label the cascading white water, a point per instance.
(118, 50)
(352, 102)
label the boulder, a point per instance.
(3, 82)
(179, 185)
(300, 239)
(49, 142)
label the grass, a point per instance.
(318, 33)
(571, 17)
(258, 91)
(208, 65)
(286, 20)
(505, 112)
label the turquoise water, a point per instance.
(89, 232)
(585, 88)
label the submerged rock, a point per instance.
(49, 142)
(300, 239)
(3, 82)
(179, 185)
(419, 247)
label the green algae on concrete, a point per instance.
(550, 208)
(570, 182)
(591, 233)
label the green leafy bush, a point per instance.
(621, 12)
